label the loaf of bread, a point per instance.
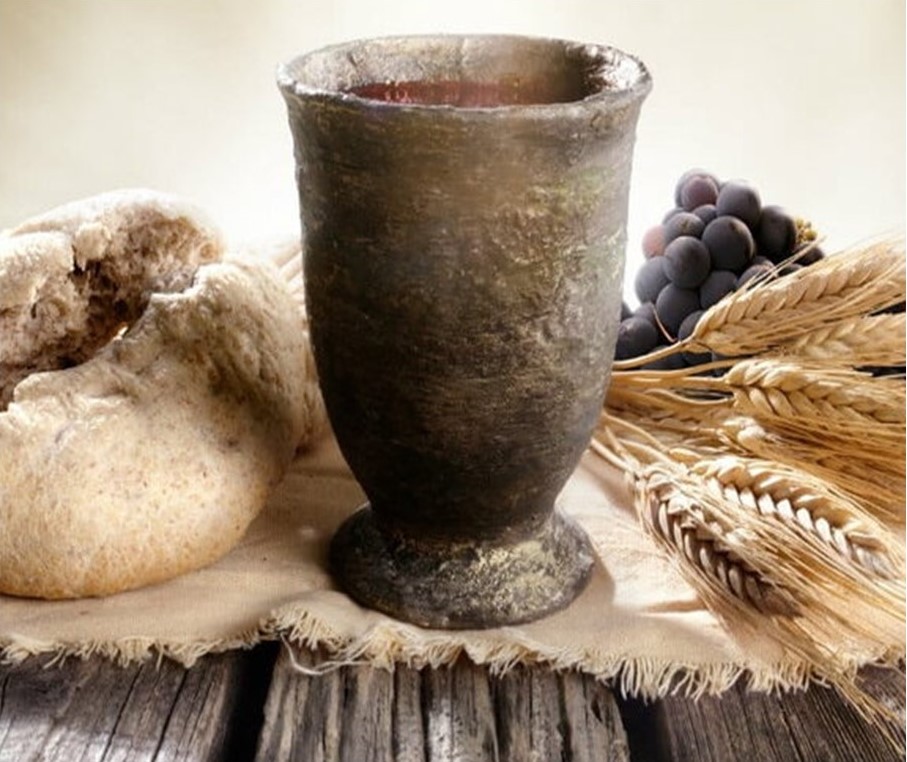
(150, 456)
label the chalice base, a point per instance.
(462, 584)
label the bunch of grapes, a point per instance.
(718, 237)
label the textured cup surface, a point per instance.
(463, 205)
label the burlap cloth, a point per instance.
(637, 622)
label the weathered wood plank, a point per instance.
(459, 719)
(408, 722)
(368, 700)
(802, 726)
(94, 710)
(595, 721)
(458, 712)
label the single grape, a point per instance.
(757, 260)
(653, 242)
(789, 268)
(715, 287)
(686, 328)
(776, 234)
(687, 261)
(687, 177)
(739, 200)
(682, 223)
(763, 272)
(688, 324)
(650, 279)
(730, 243)
(698, 190)
(811, 256)
(674, 304)
(635, 337)
(706, 213)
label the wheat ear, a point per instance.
(850, 284)
(807, 505)
(695, 537)
(871, 340)
(793, 389)
(867, 476)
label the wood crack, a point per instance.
(170, 714)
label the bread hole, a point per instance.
(70, 322)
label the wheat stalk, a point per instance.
(767, 548)
(807, 505)
(871, 479)
(871, 340)
(790, 389)
(850, 284)
(684, 527)
(738, 549)
(774, 485)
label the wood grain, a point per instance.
(95, 710)
(452, 713)
(255, 705)
(800, 726)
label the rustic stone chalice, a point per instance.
(463, 204)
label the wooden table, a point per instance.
(254, 705)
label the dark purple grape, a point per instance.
(635, 337)
(706, 213)
(674, 304)
(625, 310)
(686, 328)
(730, 243)
(682, 223)
(757, 260)
(650, 279)
(688, 324)
(763, 272)
(792, 267)
(698, 190)
(741, 201)
(811, 256)
(653, 242)
(715, 287)
(776, 234)
(687, 261)
(687, 177)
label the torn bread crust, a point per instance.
(72, 278)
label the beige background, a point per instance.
(805, 99)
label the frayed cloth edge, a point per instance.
(389, 644)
